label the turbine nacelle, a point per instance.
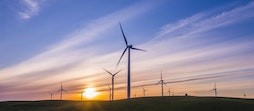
(129, 46)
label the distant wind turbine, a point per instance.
(162, 84)
(113, 81)
(81, 96)
(51, 95)
(215, 90)
(244, 95)
(168, 91)
(109, 90)
(129, 47)
(144, 91)
(61, 90)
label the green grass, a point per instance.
(176, 103)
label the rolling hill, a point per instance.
(175, 103)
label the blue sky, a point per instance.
(46, 42)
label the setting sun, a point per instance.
(89, 93)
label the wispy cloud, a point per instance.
(68, 50)
(30, 8)
(182, 58)
(190, 55)
(206, 21)
(67, 54)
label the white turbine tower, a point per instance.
(129, 47)
(113, 82)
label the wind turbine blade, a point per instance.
(165, 84)
(143, 88)
(108, 86)
(121, 56)
(123, 34)
(117, 72)
(108, 71)
(138, 49)
(158, 83)
(58, 91)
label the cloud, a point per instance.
(206, 21)
(67, 54)
(183, 59)
(30, 8)
(68, 51)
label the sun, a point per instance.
(90, 93)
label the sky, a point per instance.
(194, 43)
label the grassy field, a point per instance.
(176, 103)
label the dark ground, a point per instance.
(176, 103)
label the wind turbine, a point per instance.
(129, 47)
(244, 95)
(61, 91)
(109, 89)
(81, 96)
(215, 90)
(51, 94)
(168, 91)
(144, 91)
(162, 84)
(113, 81)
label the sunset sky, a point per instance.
(194, 42)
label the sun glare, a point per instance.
(90, 93)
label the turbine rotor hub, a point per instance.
(129, 46)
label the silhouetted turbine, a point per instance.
(109, 89)
(144, 91)
(81, 96)
(162, 84)
(51, 95)
(129, 47)
(61, 91)
(244, 95)
(168, 91)
(113, 81)
(215, 90)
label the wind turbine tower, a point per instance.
(81, 96)
(128, 47)
(144, 91)
(61, 90)
(109, 89)
(162, 84)
(215, 90)
(168, 91)
(113, 82)
(51, 95)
